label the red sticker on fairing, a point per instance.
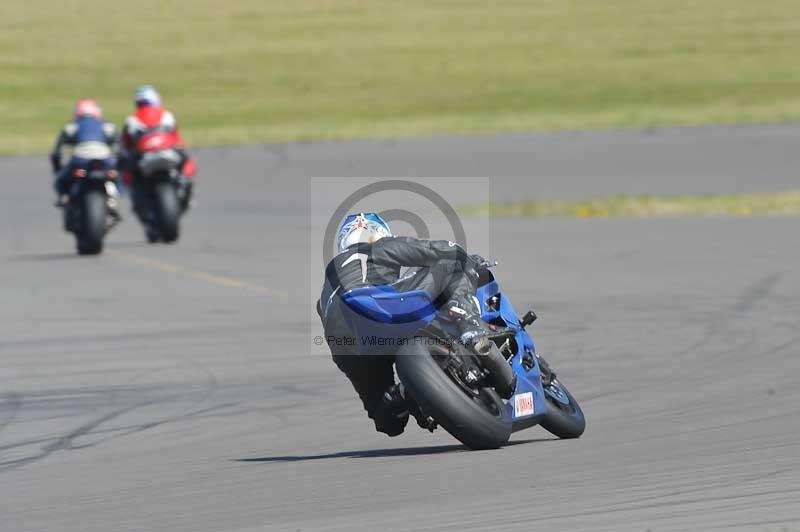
(523, 404)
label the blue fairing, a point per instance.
(385, 304)
(382, 311)
(382, 318)
(528, 381)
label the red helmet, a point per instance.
(88, 108)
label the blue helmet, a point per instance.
(146, 95)
(364, 227)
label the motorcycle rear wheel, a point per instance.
(481, 422)
(93, 223)
(168, 212)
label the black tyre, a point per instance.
(93, 223)
(151, 233)
(564, 416)
(168, 212)
(481, 422)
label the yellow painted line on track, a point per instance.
(200, 275)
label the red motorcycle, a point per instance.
(164, 184)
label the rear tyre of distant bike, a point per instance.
(93, 223)
(168, 212)
(479, 421)
(564, 416)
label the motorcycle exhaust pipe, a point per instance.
(502, 375)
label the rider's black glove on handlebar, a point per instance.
(475, 264)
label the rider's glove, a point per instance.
(475, 264)
(478, 262)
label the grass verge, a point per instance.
(785, 203)
(275, 70)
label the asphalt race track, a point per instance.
(173, 388)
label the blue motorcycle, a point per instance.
(449, 385)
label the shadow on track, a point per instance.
(380, 453)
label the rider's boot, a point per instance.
(391, 414)
(185, 192)
(67, 213)
(397, 397)
(61, 200)
(113, 202)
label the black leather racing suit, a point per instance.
(442, 270)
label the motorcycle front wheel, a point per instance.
(564, 416)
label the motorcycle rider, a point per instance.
(89, 138)
(368, 254)
(151, 117)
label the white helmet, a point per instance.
(365, 227)
(146, 95)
